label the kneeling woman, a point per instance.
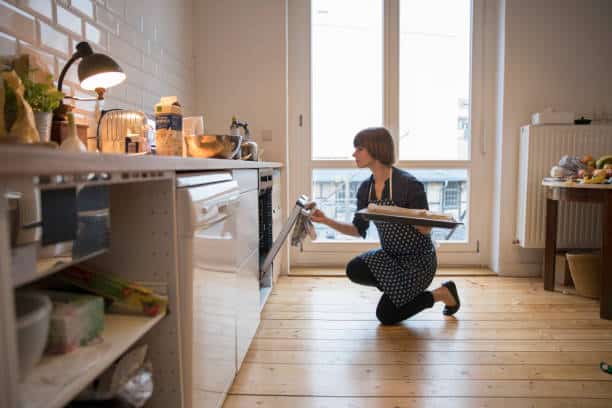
(405, 265)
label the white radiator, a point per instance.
(541, 147)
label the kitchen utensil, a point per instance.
(249, 150)
(248, 147)
(219, 146)
(33, 314)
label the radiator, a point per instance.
(541, 147)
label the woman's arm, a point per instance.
(342, 227)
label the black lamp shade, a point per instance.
(99, 71)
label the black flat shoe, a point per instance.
(451, 310)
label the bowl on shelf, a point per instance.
(209, 146)
(33, 313)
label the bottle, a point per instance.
(72, 143)
(169, 127)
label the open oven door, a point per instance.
(266, 263)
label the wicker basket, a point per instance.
(586, 273)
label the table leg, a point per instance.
(605, 304)
(550, 244)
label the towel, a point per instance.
(303, 228)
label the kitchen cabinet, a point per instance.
(144, 247)
(247, 299)
(141, 249)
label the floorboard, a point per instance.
(512, 344)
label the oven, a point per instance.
(270, 241)
(265, 225)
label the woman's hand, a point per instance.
(318, 216)
(423, 230)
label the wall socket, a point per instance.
(266, 135)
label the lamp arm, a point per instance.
(60, 81)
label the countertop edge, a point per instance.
(29, 160)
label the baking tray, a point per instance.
(402, 219)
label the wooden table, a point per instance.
(598, 193)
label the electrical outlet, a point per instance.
(266, 135)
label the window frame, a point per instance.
(300, 153)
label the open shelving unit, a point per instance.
(57, 379)
(142, 249)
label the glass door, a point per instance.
(408, 65)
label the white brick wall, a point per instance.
(150, 39)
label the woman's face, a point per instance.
(362, 157)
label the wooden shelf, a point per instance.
(57, 379)
(50, 266)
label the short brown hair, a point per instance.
(378, 142)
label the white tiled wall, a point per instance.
(150, 39)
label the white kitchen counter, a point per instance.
(32, 160)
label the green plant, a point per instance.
(41, 96)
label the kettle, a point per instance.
(248, 148)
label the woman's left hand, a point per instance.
(423, 230)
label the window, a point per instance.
(434, 79)
(407, 65)
(347, 73)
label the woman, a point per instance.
(405, 265)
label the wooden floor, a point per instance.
(446, 271)
(510, 345)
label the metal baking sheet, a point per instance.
(401, 219)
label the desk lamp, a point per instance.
(96, 72)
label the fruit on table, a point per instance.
(607, 166)
(603, 160)
(586, 159)
(585, 172)
(600, 173)
(595, 180)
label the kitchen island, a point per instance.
(143, 247)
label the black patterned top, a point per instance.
(408, 192)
